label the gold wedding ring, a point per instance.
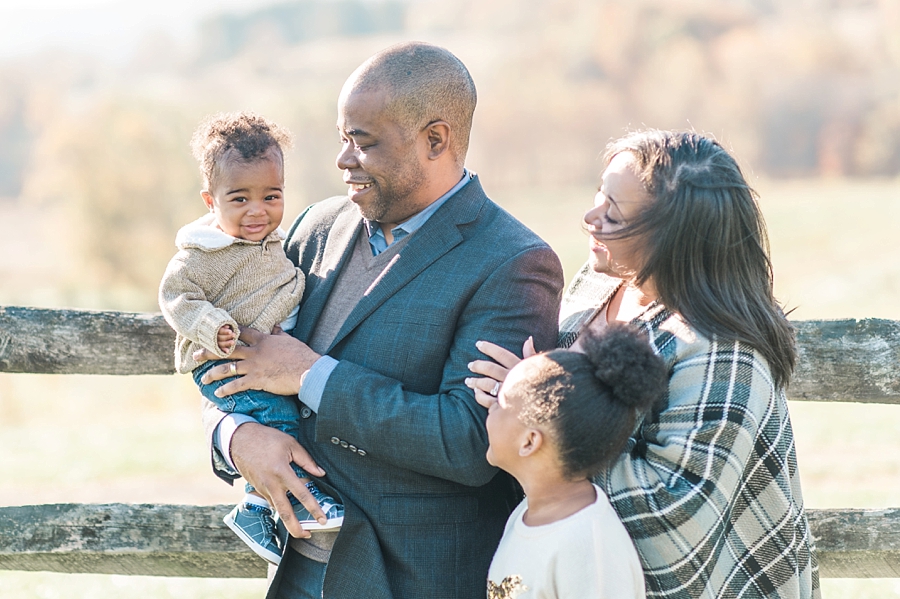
(233, 368)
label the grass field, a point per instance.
(138, 439)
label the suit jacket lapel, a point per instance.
(436, 237)
(338, 247)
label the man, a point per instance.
(405, 275)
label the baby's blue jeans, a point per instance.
(277, 411)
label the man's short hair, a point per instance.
(425, 83)
(243, 136)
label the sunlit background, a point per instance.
(98, 100)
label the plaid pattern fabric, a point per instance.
(708, 485)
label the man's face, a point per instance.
(382, 162)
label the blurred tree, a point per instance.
(299, 21)
(16, 135)
(877, 148)
(795, 89)
(125, 174)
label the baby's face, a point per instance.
(248, 197)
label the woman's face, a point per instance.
(620, 199)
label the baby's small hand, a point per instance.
(226, 338)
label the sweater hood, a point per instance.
(203, 234)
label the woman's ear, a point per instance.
(532, 442)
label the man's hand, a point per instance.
(273, 363)
(263, 456)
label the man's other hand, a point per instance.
(263, 456)
(272, 363)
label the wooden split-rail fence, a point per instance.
(840, 360)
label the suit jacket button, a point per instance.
(305, 412)
(335, 440)
(352, 448)
(344, 444)
(361, 452)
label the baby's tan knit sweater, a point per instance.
(216, 279)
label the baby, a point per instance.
(560, 418)
(231, 271)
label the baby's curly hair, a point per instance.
(591, 401)
(246, 133)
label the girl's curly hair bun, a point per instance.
(624, 361)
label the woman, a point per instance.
(708, 486)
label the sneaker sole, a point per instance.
(272, 558)
(332, 524)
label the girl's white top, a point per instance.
(588, 555)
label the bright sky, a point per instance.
(101, 26)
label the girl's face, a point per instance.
(248, 197)
(620, 199)
(504, 426)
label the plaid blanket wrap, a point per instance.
(708, 485)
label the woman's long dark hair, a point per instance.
(706, 246)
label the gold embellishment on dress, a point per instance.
(510, 588)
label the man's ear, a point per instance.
(207, 199)
(438, 135)
(533, 441)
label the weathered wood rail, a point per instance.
(841, 360)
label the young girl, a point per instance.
(231, 270)
(561, 417)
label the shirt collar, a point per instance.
(415, 222)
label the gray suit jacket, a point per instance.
(399, 434)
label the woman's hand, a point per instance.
(494, 372)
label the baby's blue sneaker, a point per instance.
(334, 511)
(256, 527)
